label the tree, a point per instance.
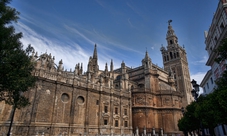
(209, 110)
(206, 110)
(189, 122)
(221, 51)
(221, 90)
(15, 64)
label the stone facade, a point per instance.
(175, 61)
(122, 101)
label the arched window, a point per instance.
(116, 86)
(171, 55)
(171, 42)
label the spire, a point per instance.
(95, 56)
(60, 65)
(89, 66)
(111, 65)
(60, 62)
(146, 62)
(95, 66)
(123, 67)
(146, 56)
(171, 36)
(106, 68)
(81, 68)
(76, 70)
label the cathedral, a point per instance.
(145, 100)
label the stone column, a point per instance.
(161, 132)
(137, 131)
(144, 131)
(153, 130)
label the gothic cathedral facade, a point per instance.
(111, 102)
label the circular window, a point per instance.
(80, 99)
(65, 97)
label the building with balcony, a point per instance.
(213, 38)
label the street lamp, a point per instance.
(195, 94)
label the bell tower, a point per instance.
(175, 61)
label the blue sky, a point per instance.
(122, 29)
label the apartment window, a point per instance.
(105, 121)
(116, 123)
(222, 26)
(211, 48)
(125, 112)
(204, 89)
(216, 39)
(207, 85)
(106, 109)
(126, 124)
(116, 110)
(211, 79)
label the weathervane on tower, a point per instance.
(169, 21)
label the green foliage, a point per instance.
(15, 64)
(211, 109)
(189, 122)
(220, 92)
(205, 111)
(222, 51)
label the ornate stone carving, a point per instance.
(140, 100)
(116, 103)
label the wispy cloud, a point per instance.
(133, 9)
(100, 3)
(198, 76)
(104, 41)
(130, 23)
(203, 60)
(69, 51)
(70, 54)
(199, 60)
(73, 30)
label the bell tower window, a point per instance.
(177, 54)
(171, 42)
(171, 55)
